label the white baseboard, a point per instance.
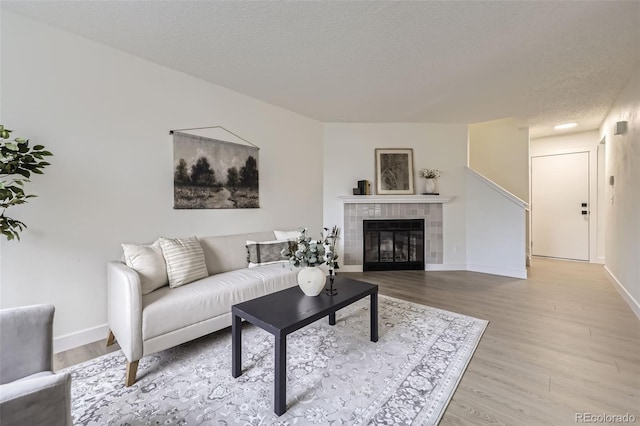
(633, 303)
(350, 268)
(445, 267)
(599, 260)
(80, 338)
(496, 270)
(427, 267)
(506, 272)
(515, 273)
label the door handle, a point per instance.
(584, 204)
(585, 212)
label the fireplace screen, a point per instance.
(393, 244)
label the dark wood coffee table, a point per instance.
(289, 310)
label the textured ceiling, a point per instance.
(539, 62)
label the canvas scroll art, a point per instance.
(214, 174)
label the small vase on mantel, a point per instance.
(430, 186)
(311, 280)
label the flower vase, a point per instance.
(430, 186)
(311, 280)
(331, 290)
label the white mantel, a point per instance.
(394, 199)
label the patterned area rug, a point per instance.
(335, 375)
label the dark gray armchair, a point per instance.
(30, 393)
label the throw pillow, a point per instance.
(286, 235)
(148, 262)
(185, 260)
(265, 252)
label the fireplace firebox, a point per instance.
(393, 245)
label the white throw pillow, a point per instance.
(185, 260)
(266, 252)
(286, 235)
(148, 262)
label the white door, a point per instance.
(560, 206)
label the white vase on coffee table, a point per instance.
(311, 280)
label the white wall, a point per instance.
(499, 150)
(495, 228)
(349, 157)
(622, 247)
(578, 142)
(565, 143)
(601, 223)
(106, 115)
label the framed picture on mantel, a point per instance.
(394, 171)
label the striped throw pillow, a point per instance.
(185, 260)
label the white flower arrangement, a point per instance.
(303, 251)
(430, 173)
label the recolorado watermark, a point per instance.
(605, 418)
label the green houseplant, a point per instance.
(17, 162)
(305, 252)
(308, 254)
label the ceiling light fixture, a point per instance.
(565, 126)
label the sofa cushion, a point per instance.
(185, 260)
(148, 262)
(226, 253)
(286, 235)
(266, 252)
(166, 310)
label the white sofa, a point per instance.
(166, 317)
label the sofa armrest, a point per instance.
(124, 308)
(26, 341)
(44, 400)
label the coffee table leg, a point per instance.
(332, 318)
(280, 380)
(374, 317)
(236, 346)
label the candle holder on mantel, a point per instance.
(331, 290)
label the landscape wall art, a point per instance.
(214, 174)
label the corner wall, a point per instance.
(349, 157)
(105, 115)
(499, 150)
(495, 228)
(622, 247)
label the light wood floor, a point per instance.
(559, 343)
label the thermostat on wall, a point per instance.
(621, 128)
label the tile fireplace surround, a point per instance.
(359, 208)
